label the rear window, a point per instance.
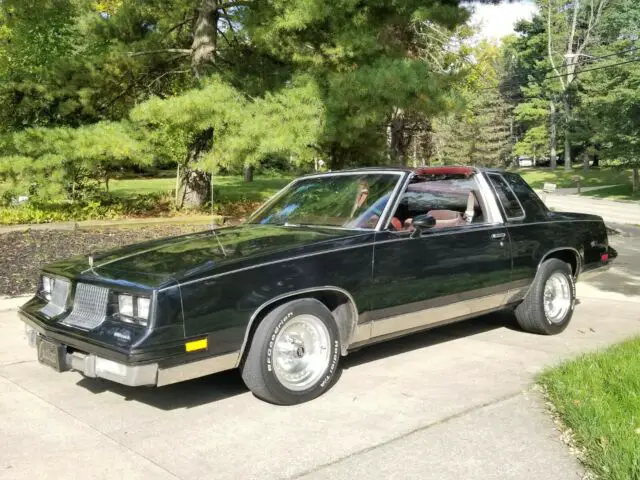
(510, 204)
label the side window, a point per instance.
(512, 208)
(452, 200)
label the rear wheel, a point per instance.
(548, 306)
(294, 353)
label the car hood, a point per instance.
(175, 259)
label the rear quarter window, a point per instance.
(533, 205)
(510, 204)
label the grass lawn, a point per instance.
(618, 192)
(598, 397)
(536, 177)
(226, 188)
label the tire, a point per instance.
(555, 276)
(289, 334)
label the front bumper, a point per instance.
(94, 366)
(92, 361)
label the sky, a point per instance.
(498, 20)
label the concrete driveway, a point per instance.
(612, 211)
(454, 402)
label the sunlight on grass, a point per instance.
(536, 177)
(226, 188)
(618, 192)
(598, 397)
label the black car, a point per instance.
(331, 263)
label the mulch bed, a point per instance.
(22, 254)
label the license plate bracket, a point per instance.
(51, 353)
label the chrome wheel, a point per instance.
(301, 352)
(557, 297)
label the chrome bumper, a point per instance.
(94, 366)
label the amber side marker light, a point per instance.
(196, 345)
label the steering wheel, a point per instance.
(369, 219)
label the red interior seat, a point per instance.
(446, 218)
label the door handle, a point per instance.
(498, 236)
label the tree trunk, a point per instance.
(398, 138)
(176, 201)
(635, 179)
(567, 133)
(196, 183)
(248, 173)
(585, 163)
(553, 134)
(336, 157)
(205, 36)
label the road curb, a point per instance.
(12, 303)
(128, 222)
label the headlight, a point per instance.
(56, 292)
(143, 307)
(134, 309)
(46, 287)
(125, 305)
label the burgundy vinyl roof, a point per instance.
(444, 171)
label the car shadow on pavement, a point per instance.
(191, 393)
(624, 275)
(220, 386)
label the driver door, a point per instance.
(439, 275)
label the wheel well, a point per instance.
(568, 256)
(338, 302)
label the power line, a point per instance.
(591, 58)
(620, 52)
(548, 77)
(602, 67)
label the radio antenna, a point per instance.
(213, 161)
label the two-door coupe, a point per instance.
(333, 262)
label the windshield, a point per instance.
(347, 200)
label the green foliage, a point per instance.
(287, 123)
(99, 208)
(480, 133)
(610, 97)
(246, 130)
(62, 162)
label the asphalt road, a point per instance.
(455, 402)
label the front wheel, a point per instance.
(294, 353)
(548, 306)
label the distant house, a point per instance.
(524, 162)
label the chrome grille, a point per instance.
(58, 301)
(89, 307)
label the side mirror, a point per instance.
(423, 222)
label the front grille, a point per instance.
(89, 307)
(58, 301)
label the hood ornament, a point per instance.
(91, 261)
